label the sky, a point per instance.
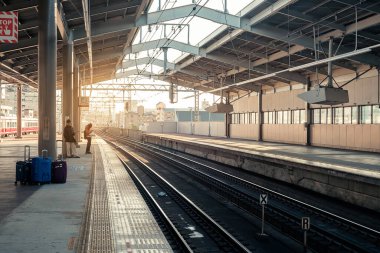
(178, 30)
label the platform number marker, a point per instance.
(263, 202)
(263, 199)
(305, 224)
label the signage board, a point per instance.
(84, 101)
(305, 222)
(263, 199)
(8, 26)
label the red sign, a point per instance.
(8, 26)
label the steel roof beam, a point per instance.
(202, 52)
(19, 5)
(245, 65)
(303, 42)
(315, 20)
(152, 18)
(146, 60)
(22, 44)
(102, 9)
(61, 22)
(103, 55)
(154, 44)
(15, 55)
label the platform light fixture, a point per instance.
(330, 59)
(245, 82)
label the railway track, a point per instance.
(328, 233)
(219, 239)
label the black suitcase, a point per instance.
(59, 168)
(24, 168)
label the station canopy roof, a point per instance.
(245, 45)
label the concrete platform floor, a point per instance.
(98, 209)
(357, 161)
(40, 218)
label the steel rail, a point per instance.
(235, 243)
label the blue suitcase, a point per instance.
(24, 168)
(41, 168)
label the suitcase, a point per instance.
(41, 169)
(59, 169)
(24, 168)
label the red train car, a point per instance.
(8, 125)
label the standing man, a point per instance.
(87, 135)
(71, 143)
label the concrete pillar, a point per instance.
(19, 112)
(329, 64)
(76, 116)
(228, 117)
(307, 116)
(47, 75)
(260, 115)
(67, 87)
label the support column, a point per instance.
(329, 64)
(76, 117)
(19, 112)
(47, 75)
(307, 116)
(228, 116)
(67, 87)
(260, 120)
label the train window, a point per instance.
(376, 114)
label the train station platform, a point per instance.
(351, 176)
(98, 209)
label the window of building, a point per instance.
(302, 116)
(266, 117)
(354, 115)
(246, 116)
(285, 117)
(324, 116)
(365, 114)
(270, 118)
(280, 117)
(317, 116)
(329, 115)
(338, 115)
(252, 118)
(296, 116)
(376, 114)
(347, 115)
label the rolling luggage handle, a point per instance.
(26, 147)
(60, 156)
(44, 154)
